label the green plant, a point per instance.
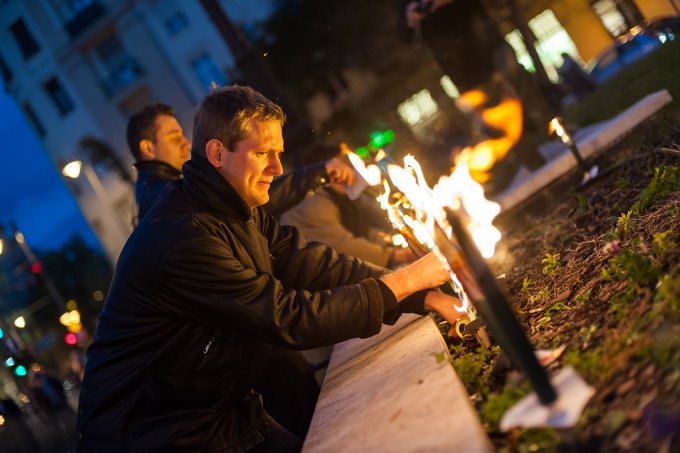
(589, 363)
(667, 297)
(620, 301)
(469, 367)
(527, 284)
(635, 267)
(663, 243)
(583, 297)
(551, 263)
(624, 225)
(497, 403)
(666, 180)
(586, 334)
(582, 202)
(538, 439)
(539, 296)
(554, 308)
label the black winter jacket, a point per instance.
(153, 176)
(202, 289)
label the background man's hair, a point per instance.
(226, 114)
(142, 126)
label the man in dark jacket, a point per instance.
(208, 282)
(157, 142)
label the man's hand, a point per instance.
(413, 16)
(443, 304)
(401, 256)
(339, 172)
(427, 272)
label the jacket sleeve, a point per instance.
(199, 278)
(318, 219)
(290, 189)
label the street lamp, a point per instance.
(74, 169)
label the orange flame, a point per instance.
(505, 117)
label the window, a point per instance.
(59, 96)
(207, 72)
(6, 73)
(119, 68)
(24, 39)
(176, 23)
(611, 17)
(449, 87)
(77, 15)
(418, 108)
(552, 41)
(34, 120)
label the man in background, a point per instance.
(157, 142)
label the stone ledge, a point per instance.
(388, 393)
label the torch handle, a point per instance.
(493, 307)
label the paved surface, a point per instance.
(46, 433)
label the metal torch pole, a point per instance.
(494, 308)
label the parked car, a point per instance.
(666, 28)
(625, 50)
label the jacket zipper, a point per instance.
(207, 346)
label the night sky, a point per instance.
(32, 192)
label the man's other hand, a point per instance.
(444, 305)
(340, 172)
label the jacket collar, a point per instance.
(156, 169)
(205, 184)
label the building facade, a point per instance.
(79, 69)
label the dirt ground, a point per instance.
(596, 269)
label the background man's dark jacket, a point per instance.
(285, 192)
(203, 288)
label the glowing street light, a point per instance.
(20, 322)
(74, 168)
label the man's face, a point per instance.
(170, 144)
(254, 162)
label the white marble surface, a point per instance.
(388, 394)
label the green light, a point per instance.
(380, 139)
(2, 334)
(9, 362)
(362, 152)
(20, 371)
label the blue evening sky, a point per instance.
(32, 192)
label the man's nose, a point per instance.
(275, 167)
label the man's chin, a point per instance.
(260, 201)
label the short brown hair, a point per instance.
(226, 114)
(142, 126)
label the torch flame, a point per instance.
(505, 117)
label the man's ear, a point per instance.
(147, 149)
(213, 151)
